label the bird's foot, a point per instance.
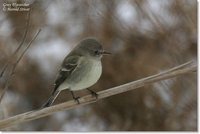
(94, 94)
(76, 99)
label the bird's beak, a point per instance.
(105, 53)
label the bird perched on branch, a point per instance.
(80, 69)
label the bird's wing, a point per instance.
(68, 66)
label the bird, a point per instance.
(80, 69)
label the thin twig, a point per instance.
(15, 65)
(20, 45)
(32, 115)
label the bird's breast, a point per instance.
(86, 74)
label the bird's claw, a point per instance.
(94, 94)
(76, 99)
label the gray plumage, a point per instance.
(80, 69)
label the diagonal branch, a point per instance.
(20, 45)
(15, 65)
(32, 115)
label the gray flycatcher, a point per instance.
(80, 69)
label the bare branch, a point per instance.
(32, 115)
(20, 45)
(15, 65)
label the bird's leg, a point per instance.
(93, 93)
(75, 98)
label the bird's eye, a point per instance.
(96, 52)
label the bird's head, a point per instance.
(92, 47)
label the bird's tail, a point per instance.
(51, 99)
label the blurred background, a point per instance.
(145, 38)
